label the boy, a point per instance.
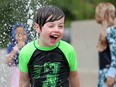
(48, 61)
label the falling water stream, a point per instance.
(15, 11)
(27, 8)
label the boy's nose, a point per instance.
(56, 29)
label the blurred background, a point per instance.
(81, 31)
(12, 11)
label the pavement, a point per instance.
(84, 37)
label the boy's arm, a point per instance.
(74, 79)
(24, 80)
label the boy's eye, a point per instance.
(51, 26)
(61, 26)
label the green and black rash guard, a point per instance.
(48, 66)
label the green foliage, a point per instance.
(12, 11)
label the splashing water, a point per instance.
(5, 74)
(13, 11)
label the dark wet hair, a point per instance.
(45, 12)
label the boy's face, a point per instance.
(20, 34)
(51, 33)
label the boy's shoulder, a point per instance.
(66, 48)
(28, 46)
(65, 44)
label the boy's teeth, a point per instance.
(55, 36)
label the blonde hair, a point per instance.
(105, 11)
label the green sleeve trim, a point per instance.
(70, 54)
(25, 55)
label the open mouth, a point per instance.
(53, 37)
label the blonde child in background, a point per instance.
(105, 14)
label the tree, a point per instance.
(12, 11)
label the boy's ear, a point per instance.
(37, 28)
